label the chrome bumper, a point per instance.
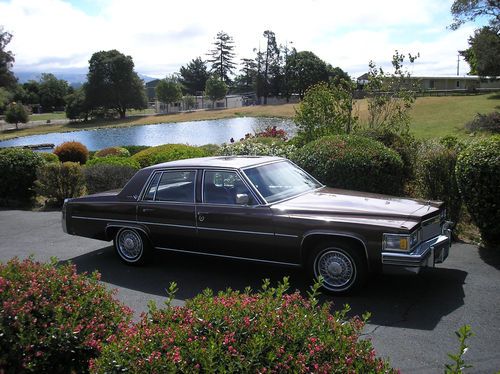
(427, 254)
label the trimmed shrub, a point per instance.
(209, 149)
(235, 332)
(353, 162)
(258, 147)
(435, 176)
(53, 320)
(133, 149)
(49, 157)
(478, 177)
(60, 181)
(165, 153)
(105, 177)
(405, 145)
(117, 161)
(485, 122)
(73, 152)
(18, 173)
(113, 151)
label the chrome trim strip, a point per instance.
(134, 222)
(230, 257)
(286, 235)
(237, 231)
(331, 233)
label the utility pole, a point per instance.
(458, 64)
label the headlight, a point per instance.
(400, 242)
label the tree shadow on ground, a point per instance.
(417, 302)
(491, 256)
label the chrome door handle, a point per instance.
(145, 210)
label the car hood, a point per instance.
(361, 204)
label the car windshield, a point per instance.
(280, 180)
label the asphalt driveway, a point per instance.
(413, 317)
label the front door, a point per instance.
(229, 227)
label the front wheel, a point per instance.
(341, 268)
(132, 246)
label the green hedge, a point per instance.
(105, 177)
(234, 332)
(353, 162)
(435, 174)
(114, 160)
(165, 153)
(113, 151)
(478, 177)
(133, 149)
(53, 320)
(59, 181)
(18, 173)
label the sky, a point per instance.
(162, 35)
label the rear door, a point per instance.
(167, 208)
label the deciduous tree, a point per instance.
(305, 69)
(469, 10)
(112, 83)
(215, 89)
(483, 55)
(7, 78)
(52, 92)
(169, 91)
(16, 113)
(194, 76)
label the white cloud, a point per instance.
(162, 35)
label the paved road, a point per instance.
(413, 317)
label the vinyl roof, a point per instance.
(220, 161)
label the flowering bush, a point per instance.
(256, 148)
(53, 320)
(270, 331)
(272, 132)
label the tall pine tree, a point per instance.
(222, 57)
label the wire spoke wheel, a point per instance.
(129, 245)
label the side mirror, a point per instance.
(242, 199)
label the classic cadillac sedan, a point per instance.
(263, 209)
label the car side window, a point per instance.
(177, 186)
(150, 191)
(224, 187)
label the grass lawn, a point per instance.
(47, 116)
(432, 116)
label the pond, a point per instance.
(193, 133)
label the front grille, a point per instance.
(431, 227)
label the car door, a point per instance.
(167, 208)
(231, 228)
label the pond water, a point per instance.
(193, 133)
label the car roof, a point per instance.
(236, 162)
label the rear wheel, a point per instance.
(342, 268)
(132, 246)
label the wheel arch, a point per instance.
(113, 228)
(312, 239)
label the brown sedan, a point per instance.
(263, 209)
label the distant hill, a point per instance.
(75, 79)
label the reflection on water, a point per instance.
(194, 133)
